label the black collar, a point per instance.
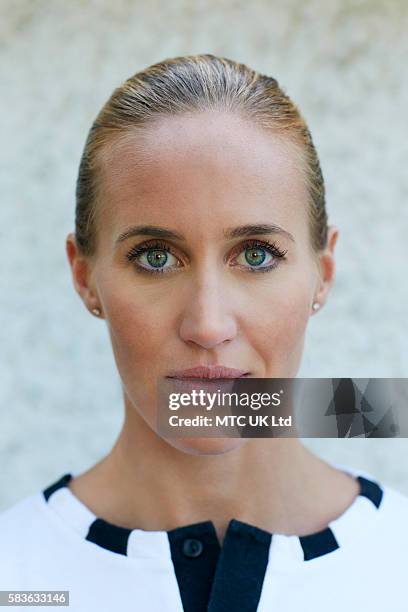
(212, 578)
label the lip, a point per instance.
(208, 372)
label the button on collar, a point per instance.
(192, 547)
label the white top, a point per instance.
(52, 541)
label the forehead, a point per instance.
(199, 170)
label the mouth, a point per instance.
(206, 373)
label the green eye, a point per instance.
(157, 258)
(260, 255)
(153, 259)
(255, 256)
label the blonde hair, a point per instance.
(195, 83)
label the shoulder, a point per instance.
(28, 543)
(20, 510)
(391, 502)
(379, 522)
(20, 519)
(394, 508)
(388, 535)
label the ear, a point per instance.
(327, 267)
(81, 268)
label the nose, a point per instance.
(208, 320)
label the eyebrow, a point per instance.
(232, 232)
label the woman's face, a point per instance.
(213, 292)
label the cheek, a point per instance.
(278, 325)
(139, 328)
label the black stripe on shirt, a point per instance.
(109, 536)
(101, 532)
(241, 568)
(194, 551)
(371, 490)
(324, 542)
(318, 544)
(62, 482)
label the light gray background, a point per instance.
(343, 62)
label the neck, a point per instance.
(275, 484)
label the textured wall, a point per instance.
(343, 62)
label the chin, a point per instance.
(206, 446)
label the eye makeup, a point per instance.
(148, 248)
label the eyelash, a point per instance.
(270, 247)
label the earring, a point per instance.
(96, 311)
(316, 306)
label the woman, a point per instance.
(201, 239)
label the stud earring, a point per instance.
(96, 311)
(316, 306)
